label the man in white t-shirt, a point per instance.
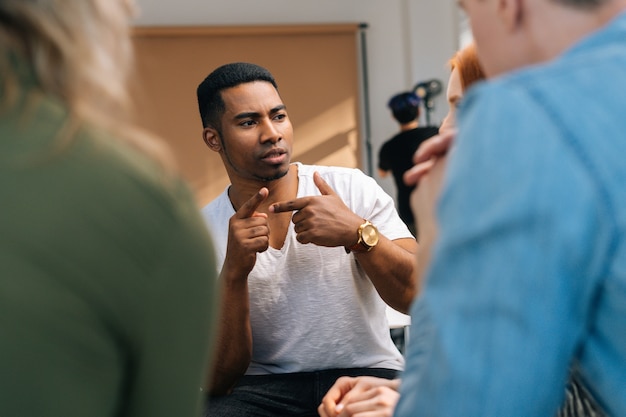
(309, 257)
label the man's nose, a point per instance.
(270, 132)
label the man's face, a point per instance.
(256, 135)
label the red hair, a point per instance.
(470, 70)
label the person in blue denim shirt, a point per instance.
(527, 274)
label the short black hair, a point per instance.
(404, 107)
(210, 102)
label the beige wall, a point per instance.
(316, 67)
(407, 40)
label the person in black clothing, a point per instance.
(396, 155)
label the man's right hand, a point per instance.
(248, 234)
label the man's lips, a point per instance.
(275, 156)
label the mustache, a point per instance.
(274, 151)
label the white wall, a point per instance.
(407, 40)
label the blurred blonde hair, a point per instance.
(79, 51)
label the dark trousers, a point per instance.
(296, 394)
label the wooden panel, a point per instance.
(316, 67)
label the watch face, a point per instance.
(370, 235)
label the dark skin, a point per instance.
(255, 141)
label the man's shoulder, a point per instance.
(341, 179)
(424, 131)
(602, 54)
(419, 133)
(544, 93)
(331, 170)
(219, 204)
(393, 139)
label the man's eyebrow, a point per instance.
(278, 108)
(248, 115)
(254, 114)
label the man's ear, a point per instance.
(511, 13)
(212, 139)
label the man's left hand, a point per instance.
(324, 220)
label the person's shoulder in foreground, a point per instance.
(106, 273)
(124, 230)
(538, 169)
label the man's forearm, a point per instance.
(234, 344)
(392, 267)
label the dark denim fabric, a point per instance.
(295, 395)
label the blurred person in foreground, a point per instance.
(361, 394)
(466, 70)
(536, 281)
(354, 396)
(107, 273)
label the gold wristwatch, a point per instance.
(368, 238)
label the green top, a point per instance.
(107, 276)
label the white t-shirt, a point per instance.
(313, 307)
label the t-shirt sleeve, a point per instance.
(383, 158)
(368, 199)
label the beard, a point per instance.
(276, 176)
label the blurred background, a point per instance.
(337, 63)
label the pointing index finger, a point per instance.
(297, 204)
(249, 207)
